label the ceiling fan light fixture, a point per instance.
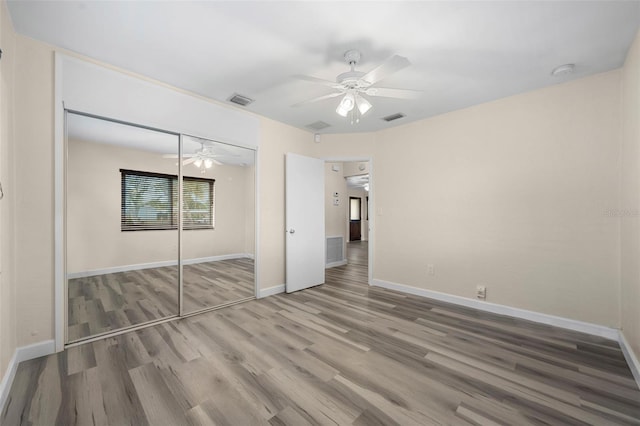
(197, 163)
(346, 104)
(363, 105)
(208, 163)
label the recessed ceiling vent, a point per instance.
(393, 116)
(240, 100)
(318, 125)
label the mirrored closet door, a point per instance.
(219, 216)
(121, 225)
(127, 261)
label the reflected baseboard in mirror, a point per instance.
(110, 302)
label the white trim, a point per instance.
(35, 350)
(7, 381)
(256, 218)
(630, 356)
(270, 291)
(59, 209)
(139, 266)
(567, 323)
(23, 353)
(334, 264)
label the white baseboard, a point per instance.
(270, 291)
(567, 323)
(23, 353)
(7, 381)
(139, 266)
(630, 356)
(334, 264)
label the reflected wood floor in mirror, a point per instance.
(342, 353)
(109, 302)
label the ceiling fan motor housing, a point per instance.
(351, 79)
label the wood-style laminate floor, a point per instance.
(341, 353)
(109, 302)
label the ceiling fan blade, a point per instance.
(317, 80)
(216, 162)
(189, 161)
(390, 66)
(386, 92)
(319, 98)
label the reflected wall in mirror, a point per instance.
(121, 226)
(219, 218)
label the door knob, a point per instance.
(292, 231)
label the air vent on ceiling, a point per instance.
(393, 116)
(240, 100)
(318, 125)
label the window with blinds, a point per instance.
(150, 202)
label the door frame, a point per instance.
(372, 200)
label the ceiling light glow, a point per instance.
(363, 105)
(346, 105)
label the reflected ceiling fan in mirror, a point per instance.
(354, 86)
(204, 158)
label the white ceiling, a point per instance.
(462, 53)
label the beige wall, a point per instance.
(276, 139)
(33, 154)
(335, 217)
(510, 194)
(94, 238)
(352, 168)
(630, 205)
(8, 313)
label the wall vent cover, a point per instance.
(334, 249)
(318, 125)
(240, 100)
(393, 116)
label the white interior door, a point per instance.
(305, 222)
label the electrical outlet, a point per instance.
(481, 292)
(431, 270)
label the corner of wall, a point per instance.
(8, 313)
(630, 196)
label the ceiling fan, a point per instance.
(354, 85)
